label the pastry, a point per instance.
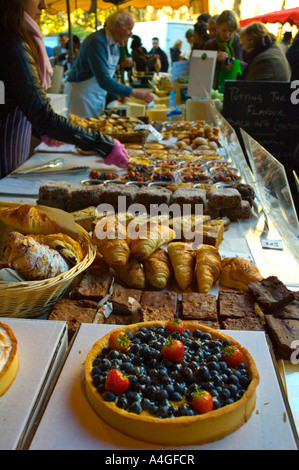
(33, 260)
(157, 268)
(111, 239)
(238, 272)
(9, 361)
(148, 238)
(212, 232)
(69, 248)
(135, 407)
(208, 267)
(27, 219)
(132, 274)
(182, 259)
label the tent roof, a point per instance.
(54, 6)
(283, 16)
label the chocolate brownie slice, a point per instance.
(282, 334)
(74, 312)
(54, 194)
(291, 311)
(244, 324)
(221, 198)
(158, 305)
(152, 196)
(197, 306)
(235, 304)
(94, 285)
(124, 300)
(271, 294)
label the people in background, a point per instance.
(60, 49)
(265, 60)
(125, 63)
(227, 44)
(204, 17)
(175, 51)
(64, 59)
(293, 57)
(201, 35)
(26, 73)
(142, 60)
(212, 24)
(286, 41)
(93, 73)
(156, 49)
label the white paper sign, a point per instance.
(201, 72)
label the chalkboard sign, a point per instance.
(268, 111)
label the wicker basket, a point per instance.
(33, 299)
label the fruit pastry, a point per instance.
(171, 382)
(9, 361)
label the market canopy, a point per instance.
(283, 16)
(53, 6)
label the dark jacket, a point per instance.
(269, 65)
(23, 89)
(143, 62)
(163, 58)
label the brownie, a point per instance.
(74, 312)
(271, 294)
(291, 311)
(113, 191)
(54, 194)
(95, 285)
(153, 314)
(85, 196)
(153, 195)
(189, 196)
(159, 301)
(235, 213)
(210, 324)
(117, 319)
(221, 198)
(244, 324)
(197, 306)
(282, 334)
(235, 304)
(124, 300)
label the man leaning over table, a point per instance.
(92, 75)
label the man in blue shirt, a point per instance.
(93, 73)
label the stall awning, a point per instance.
(54, 6)
(283, 16)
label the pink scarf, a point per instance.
(44, 66)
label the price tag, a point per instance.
(152, 130)
(271, 244)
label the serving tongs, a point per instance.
(51, 164)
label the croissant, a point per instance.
(157, 268)
(132, 274)
(64, 244)
(150, 237)
(238, 272)
(208, 267)
(182, 259)
(27, 219)
(33, 260)
(112, 241)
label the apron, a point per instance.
(87, 98)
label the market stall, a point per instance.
(262, 233)
(290, 16)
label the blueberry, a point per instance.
(121, 402)
(161, 395)
(153, 409)
(101, 388)
(109, 396)
(163, 411)
(135, 407)
(127, 367)
(175, 396)
(233, 379)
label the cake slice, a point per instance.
(271, 294)
(243, 324)
(235, 304)
(197, 306)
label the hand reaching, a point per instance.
(118, 156)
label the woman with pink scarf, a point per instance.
(25, 74)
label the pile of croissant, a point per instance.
(152, 254)
(35, 246)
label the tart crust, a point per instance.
(183, 430)
(9, 361)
